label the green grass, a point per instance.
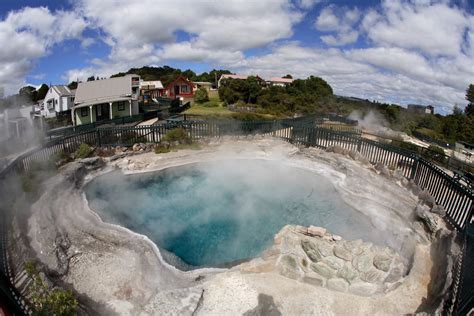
(202, 110)
(215, 108)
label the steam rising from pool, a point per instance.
(209, 214)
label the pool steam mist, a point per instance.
(215, 213)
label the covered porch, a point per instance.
(91, 113)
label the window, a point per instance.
(121, 106)
(84, 112)
(184, 89)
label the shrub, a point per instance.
(83, 151)
(435, 153)
(201, 96)
(177, 135)
(162, 150)
(406, 145)
(46, 300)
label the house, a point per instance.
(180, 87)
(150, 90)
(230, 76)
(202, 84)
(420, 109)
(280, 82)
(240, 77)
(106, 99)
(58, 101)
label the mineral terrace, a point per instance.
(308, 270)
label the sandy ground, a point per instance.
(124, 271)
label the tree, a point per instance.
(191, 75)
(253, 89)
(288, 76)
(469, 110)
(91, 78)
(29, 93)
(457, 111)
(201, 96)
(42, 91)
(46, 300)
(73, 85)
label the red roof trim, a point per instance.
(177, 78)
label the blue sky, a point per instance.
(402, 51)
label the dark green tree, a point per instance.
(191, 75)
(73, 85)
(253, 89)
(469, 110)
(42, 91)
(28, 93)
(201, 96)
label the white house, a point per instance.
(281, 82)
(58, 99)
(230, 76)
(106, 99)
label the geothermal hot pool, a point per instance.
(217, 213)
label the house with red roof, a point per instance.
(180, 87)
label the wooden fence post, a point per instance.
(414, 167)
(98, 138)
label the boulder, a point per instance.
(313, 279)
(398, 174)
(287, 266)
(311, 250)
(354, 246)
(341, 252)
(336, 238)
(325, 248)
(415, 189)
(337, 284)
(333, 262)
(316, 231)
(323, 270)
(302, 229)
(136, 147)
(382, 169)
(394, 275)
(348, 273)
(428, 219)
(427, 198)
(439, 209)
(382, 261)
(363, 262)
(372, 276)
(336, 149)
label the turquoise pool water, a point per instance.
(209, 214)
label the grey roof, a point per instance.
(64, 91)
(103, 100)
(106, 90)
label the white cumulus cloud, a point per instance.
(27, 35)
